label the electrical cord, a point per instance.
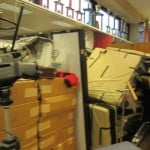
(11, 22)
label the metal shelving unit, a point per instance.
(37, 19)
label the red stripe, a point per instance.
(79, 5)
(70, 3)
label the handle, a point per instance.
(132, 91)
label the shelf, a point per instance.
(37, 19)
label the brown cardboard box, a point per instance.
(20, 114)
(33, 145)
(24, 91)
(52, 139)
(57, 104)
(54, 87)
(69, 144)
(25, 133)
(55, 122)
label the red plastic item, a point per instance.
(70, 78)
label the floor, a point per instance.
(145, 143)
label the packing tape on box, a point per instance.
(45, 108)
(46, 89)
(44, 125)
(31, 132)
(46, 142)
(34, 111)
(30, 92)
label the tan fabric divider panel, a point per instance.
(108, 72)
(101, 123)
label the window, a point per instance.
(105, 20)
(117, 23)
(107, 23)
(44, 3)
(111, 23)
(76, 5)
(99, 18)
(85, 4)
(52, 5)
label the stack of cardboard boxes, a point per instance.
(24, 112)
(42, 114)
(56, 122)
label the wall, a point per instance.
(133, 33)
(102, 40)
(147, 35)
(143, 47)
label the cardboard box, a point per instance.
(20, 114)
(55, 122)
(57, 104)
(69, 144)
(52, 139)
(25, 133)
(24, 91)
(54, 87)
(33, 145)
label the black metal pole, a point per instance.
(17, 28)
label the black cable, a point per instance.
(6, 20)
(7, 28)
(17, 27)
(11, 22)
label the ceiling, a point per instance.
(134, 11)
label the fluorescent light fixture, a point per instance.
(63, 24)
(13, 8)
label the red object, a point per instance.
(147, 35)
(70, 78)
(70, 3)
(60, 74)
(79, 5)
